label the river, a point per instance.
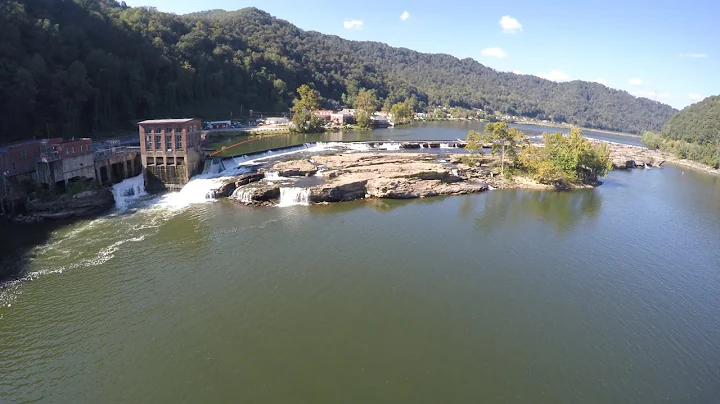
(603, 295)
(450, 131)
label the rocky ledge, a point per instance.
(83, 204)
(347, 177)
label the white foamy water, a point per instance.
(291, 196)
(199, 189)
(242, 195)
(389, 146)
(128, 190)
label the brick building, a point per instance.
(19, 157)
(170, 152)
(61, 161)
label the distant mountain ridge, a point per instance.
(76, 67)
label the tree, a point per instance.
(366, 104)
(652, 140)
(563, 158)
(304, 109)
(504, 141)
(402, 112)
(474, 144)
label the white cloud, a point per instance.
(518, 72)
(635, 81)
(693, 55)
(554, 75)
(695, 97)
(653, 95)
(353, 24)
(494, 52)
(404, 16)
(510, 25)
(601, 80)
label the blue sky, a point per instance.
(661, 50)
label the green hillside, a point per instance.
(78, 67)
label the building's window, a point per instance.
(151, 161)
(148, 142)
(14, 167)
(73, 150)
(168, 130)
(23, 153)
(151, 130)
(179, 161)
(178, 130)
(168, 142)
(67, 152)
(159, 161)
(158, 142)
(178, 142)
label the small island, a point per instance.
(502, 158)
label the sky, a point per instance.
(667, 51)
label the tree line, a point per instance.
(79, 67)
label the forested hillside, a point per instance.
(71, 68)
(694, 133)
(698, 123)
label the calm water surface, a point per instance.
(599, 296)
(419, 131)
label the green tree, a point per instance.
(570, 158)
(304, 109)
(366, 104)
(504, 141)
(474, 144)
(402, 112)
(652, 140)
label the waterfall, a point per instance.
(200, 189)
(273, 176)
(128, 190)
(243, 195)
(294, 196)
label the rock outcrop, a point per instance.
(295, 168)
(256, 193)
(339, 191)
(227, 189)
(82, 204)
(368, 175)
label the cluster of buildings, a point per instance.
(347, 117)
(56, 162)
(169, 155)
(47, 161)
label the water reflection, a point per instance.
(377, 204)
(564, 210)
